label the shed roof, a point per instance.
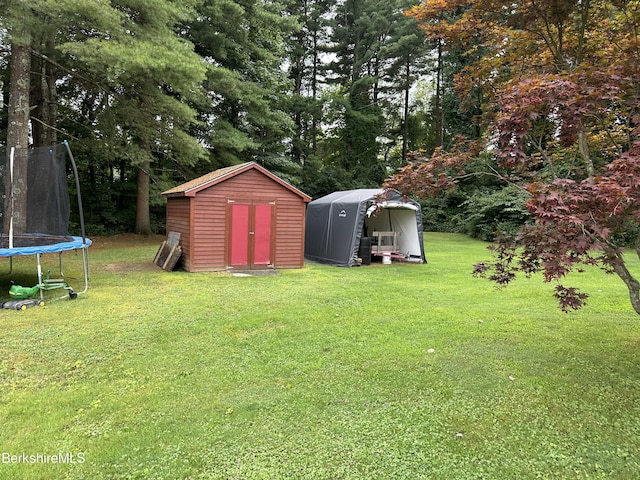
(191, 188)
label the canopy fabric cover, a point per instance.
(336, 223)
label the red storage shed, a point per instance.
(241, 217)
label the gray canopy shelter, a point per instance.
(338, 225)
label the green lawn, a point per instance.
(380, 372)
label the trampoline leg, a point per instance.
(85, 270)
(85, 266)
(10, 267)
(60, 263)
(40, 276)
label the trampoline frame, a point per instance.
(76, 243)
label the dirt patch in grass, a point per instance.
(254, 273)
(122, 267)
(125, 239)
(128, 243)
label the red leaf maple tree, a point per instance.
(561, 102)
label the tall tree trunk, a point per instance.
(44, 99)
(405, 116)
(143, 219)
(18, 131)
(583, 147)
(297, 73)
(314, 93)
(437, 109)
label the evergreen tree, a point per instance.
(304, 50)
(376, 52)
(127, 67)
(405, 54)
(356, 116)
(244, 116)
(151, 75)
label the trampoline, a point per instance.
(31, 244)
(35, 207)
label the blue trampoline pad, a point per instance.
(37, 243)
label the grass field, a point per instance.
(380, 372)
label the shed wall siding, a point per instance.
(209, 232)
(179, 220)
(290, 233)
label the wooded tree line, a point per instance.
(153, 92)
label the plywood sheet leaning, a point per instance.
(169, 252)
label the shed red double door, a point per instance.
(252, 228)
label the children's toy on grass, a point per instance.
(22, 297)
(19, 292)
(21, 304)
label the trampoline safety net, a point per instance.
(35, 194)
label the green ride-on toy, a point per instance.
(19, 292)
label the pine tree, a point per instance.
(142, 74)
(244, 116)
